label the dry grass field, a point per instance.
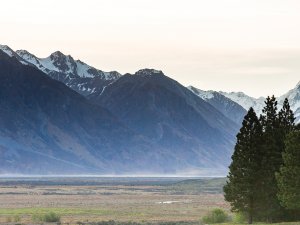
(149, 202)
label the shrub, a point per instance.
(48, 217)
(215, 216)
(239, 218)
(51, 217)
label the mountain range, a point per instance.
(60, 115)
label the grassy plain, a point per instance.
(89, 200)
(140, 201)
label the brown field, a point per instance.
(138, 203)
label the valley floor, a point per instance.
(157, 201)
(140, 202)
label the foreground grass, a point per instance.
(69, 212)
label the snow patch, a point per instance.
(200, 93)
(7, 50)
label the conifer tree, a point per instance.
(289, 176)
(286, 118)
(271, 160)
(241, 189)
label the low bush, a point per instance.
(215, 216)
(50, 217)
(239, 218)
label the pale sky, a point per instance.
(230, 45)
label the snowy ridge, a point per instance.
(32, 59)
(246, 101)
(7, 50)
(87, 80)
(258, 103)
(76, 74)
(202, 94)
(58, 62)
(226, 106)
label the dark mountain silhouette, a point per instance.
(171, 116)
(45, 127)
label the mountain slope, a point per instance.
(45, 127)
(172, 117)
(76, 74)
(229, 108)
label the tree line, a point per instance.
(264, 176)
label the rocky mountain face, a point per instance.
(76, 74)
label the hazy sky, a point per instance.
(230, 45)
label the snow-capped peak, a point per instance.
(246, 101)
(27, 56)
(7, 50)
(58, 62)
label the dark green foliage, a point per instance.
(49, 217)
(260, 182)
(239, 218)
(242, 188)
(271, 159)
(215, 216)
(286, 117)
(289, 176)
(275, 126)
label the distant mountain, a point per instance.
(258, 103)
(135, 123)
(76, 74)
(246, 101)
(294, 99)
(169, 115)
(229, 108)
(45, 127)
(88, 80)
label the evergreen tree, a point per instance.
(286, 118)
(289, 176)
(241, 189)
(273, 146)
